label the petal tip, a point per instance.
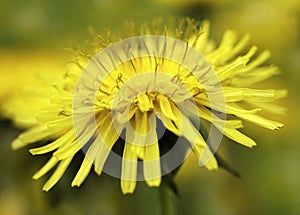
(46, 188)
(154, 182)
(75, 184)
(32, 151)
(98, 171)
(36, 176)
(127, 186)
(211, 164)
(16, 144)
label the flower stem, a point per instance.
(167, 201)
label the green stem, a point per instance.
(167, 201)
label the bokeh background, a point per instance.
(33, 37)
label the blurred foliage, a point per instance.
(51, 23)
(32, 36)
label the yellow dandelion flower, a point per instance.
(150, 94)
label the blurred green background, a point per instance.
(33, 35)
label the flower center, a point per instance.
(140, 80)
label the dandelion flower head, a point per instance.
(160, 79)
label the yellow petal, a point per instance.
(152, 171)
(237, 48)
(219, 123)
(61, 168)
(261, 121)
(86, 164)
(196, 141)
(279, 94)
(228, 127)
(137, 140)
(228, 40)
(60, 124)
(144, 102)
(109, 134)
(32, 135)
(68, 150)
(201, 42)
(51, 114)
(141, 125)
(265, 55)
(129, 170)
(165, 107)
(124, 117)
(71, 149)
(168, 123)
(139, 134)
(254, 76)
(267, 106)
(229, 71)
(48, 166)
(206, 158)
(65, 139)
(239, 137)
(229, 108)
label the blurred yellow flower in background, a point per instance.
(19, 72)
(159, 96)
